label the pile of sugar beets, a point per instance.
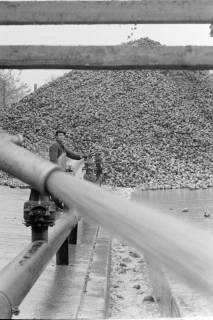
(154, 129)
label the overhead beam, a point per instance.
(106, 12)
(106, 57)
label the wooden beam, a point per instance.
(105, 57)
(106, 12)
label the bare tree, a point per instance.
(11, 87)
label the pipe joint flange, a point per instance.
(44, 174)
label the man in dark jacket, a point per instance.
(58, 151)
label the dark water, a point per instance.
(174, 201)
(187, 206)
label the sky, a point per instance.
(194, 34)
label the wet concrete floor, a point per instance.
(59, 293)
(184, 203)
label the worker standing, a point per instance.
(98, 168)
(58, 153)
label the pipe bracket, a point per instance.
(39, 214)
(44, 174)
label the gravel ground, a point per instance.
(130, 286)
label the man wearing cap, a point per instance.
(58, 151)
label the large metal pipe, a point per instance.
(6, 309)
(184, 249)
(23, 164)
(18, 277)
(16, 139)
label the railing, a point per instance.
(19, 276)
(129, 221)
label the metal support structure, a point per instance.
(39, 213)
(73, 235)
(39, 234)
(62, 255)
(18, 277)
